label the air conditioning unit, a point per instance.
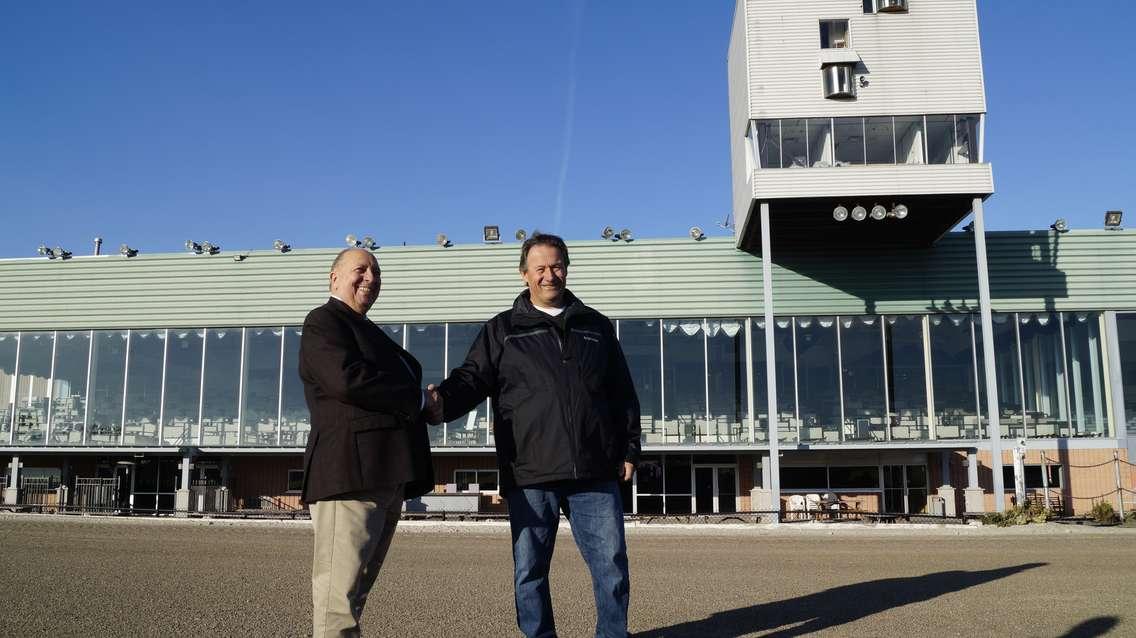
(891, 6)
(838, 80)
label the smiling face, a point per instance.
(546, 275)
(355, 279)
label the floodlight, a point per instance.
(1060, 225)
(696, 233)
(608, 233)
(279, 246)
(209, 248)
(625, 234)
(443, 241)
(45, 251)
(127, 251)
(840, 213)
(899, 212)
(859, 213)
(491, 234)
(351, 241)
(61, 253)
(1112, 219)
(521, 235)
(969, 228)
(368, 242)
(192, 246)
(879, 212)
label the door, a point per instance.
(715, 489)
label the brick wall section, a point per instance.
(1083, 485)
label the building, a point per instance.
(895, 362)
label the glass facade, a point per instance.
(849, 141)
(840, 379)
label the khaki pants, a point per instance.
(352, 536)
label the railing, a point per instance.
(95, 495)
(38, 490)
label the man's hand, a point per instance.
(433, 412)
(628, 471)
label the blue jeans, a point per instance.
(595, 512)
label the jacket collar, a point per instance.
(526, 314)
(343, 309)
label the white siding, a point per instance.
(927, 60)
(901, 179)
(737, 71)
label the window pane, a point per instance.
(907, 388)
(849, 137)
(1008, 375)
(1087, 374)
(32, 387)
(472, 428)
(677, 474)
(820, 142)
(788, 425)
(640, 343)
(794, 147)
(219, 409)
(854, 477)
(488, 480)
(862, 358)
(953, 376)
(1126, 332)
(880, 140)
(108, 370)
(966, 139)
(144, 386)
(909, 140)
(427, 342)
(649, 475)
(1043, 374)
(757, 334)
(684, 380)
(834, 34)
(295, 419)
(394, 331)
(295, 480)
(818, 393)
(769, 143)
(8, 345)
(729, 405)
(261, 386)
(804, 478)
(183, 387)
(69, 387)
(940, 139)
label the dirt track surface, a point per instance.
(73, 576)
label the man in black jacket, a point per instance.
(566, 423)
(368, 448)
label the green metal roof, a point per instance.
(645, 278)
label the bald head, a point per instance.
(355, 278)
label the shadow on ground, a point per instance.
(1092, 627)
(840, 605)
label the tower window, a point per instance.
(834, 34)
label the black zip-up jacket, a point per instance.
(564, 405)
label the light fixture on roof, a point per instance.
(126, 251)
(368, 242)
(840, 213)
(61, 253)
(443, 241)
(608, 233)
(899, 211)
(625, 234)
(879, 212)
(279, 246)
(209, 248)
(491, 234)
(1060, 225)
(696, 233)
(1112, 219)
(969, 228)
(44, 250)
(193, 246)
(521, 235)
(351, 241)
(859, 213)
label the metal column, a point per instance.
(774, 464)
(994, 429)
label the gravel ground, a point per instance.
(80, 576)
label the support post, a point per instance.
(1119, 484)
(993, 429)
(946, 491)
(774, 465)
(182, 500)
(972, 495)
(12, 492)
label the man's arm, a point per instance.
(469, 384)
(333, 361)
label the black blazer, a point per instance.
(364, 393)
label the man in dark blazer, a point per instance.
(368, 449)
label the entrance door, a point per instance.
(124, 484)
(905, 489)
(715, 489)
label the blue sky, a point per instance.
(241, 122)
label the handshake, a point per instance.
(433, 411)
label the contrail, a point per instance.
(569, 115)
